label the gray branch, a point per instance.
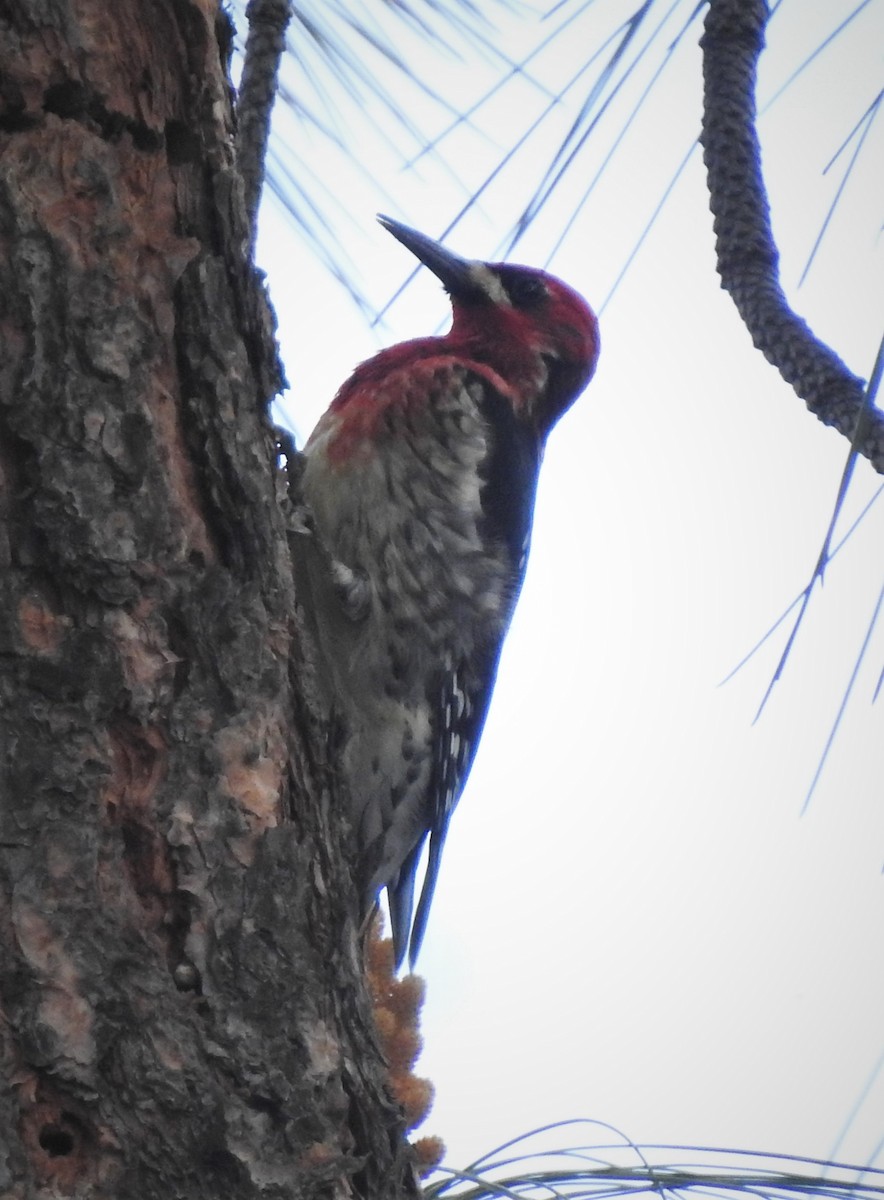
(748, 260)
(268, 21)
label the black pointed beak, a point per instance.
(453, 271)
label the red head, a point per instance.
(534, 331)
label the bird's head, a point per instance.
(534, 331)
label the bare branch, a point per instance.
(748, 261)
(268, 20)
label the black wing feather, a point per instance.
(509, 487)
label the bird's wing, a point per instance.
(509, 481)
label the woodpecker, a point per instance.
(420, 480)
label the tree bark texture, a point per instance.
(182, 1011)
(748, 260)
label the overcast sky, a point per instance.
(634, 920)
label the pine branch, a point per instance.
(748, 260)
(268, 21)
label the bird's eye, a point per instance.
(525, 291)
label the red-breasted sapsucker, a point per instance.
(421, 479)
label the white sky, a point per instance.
(634, 921)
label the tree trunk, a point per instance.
(183, 1010)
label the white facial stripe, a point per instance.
(490, 283)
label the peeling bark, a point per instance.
(182, 1010)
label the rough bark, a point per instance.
(748, 260)
(181, 1005)
(268, 21)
